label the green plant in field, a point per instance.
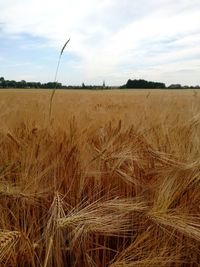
(55, 79)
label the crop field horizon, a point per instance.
(112, 180)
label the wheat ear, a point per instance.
(55, 79)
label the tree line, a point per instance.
(23, 84)
(49, 85)
(131, 84)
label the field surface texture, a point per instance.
(111, 180)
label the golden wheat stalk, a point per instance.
(8, 240)
(52, 231)
(109, 217)
(55, 79)
(13, 139)
(149, 261)
(183, 223)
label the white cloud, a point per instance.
(108, 35)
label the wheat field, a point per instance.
(112, 180)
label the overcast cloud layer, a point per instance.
(111, 40)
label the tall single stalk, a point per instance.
(55, 79)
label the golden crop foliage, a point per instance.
(112, 180)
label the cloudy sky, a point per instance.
(111, 40)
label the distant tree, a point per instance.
(12, 84)
(22, 84)
(2, 82)
(142, 84)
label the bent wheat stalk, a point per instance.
(55, 79)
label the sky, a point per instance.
(111, 40)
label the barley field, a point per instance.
(111, 180)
